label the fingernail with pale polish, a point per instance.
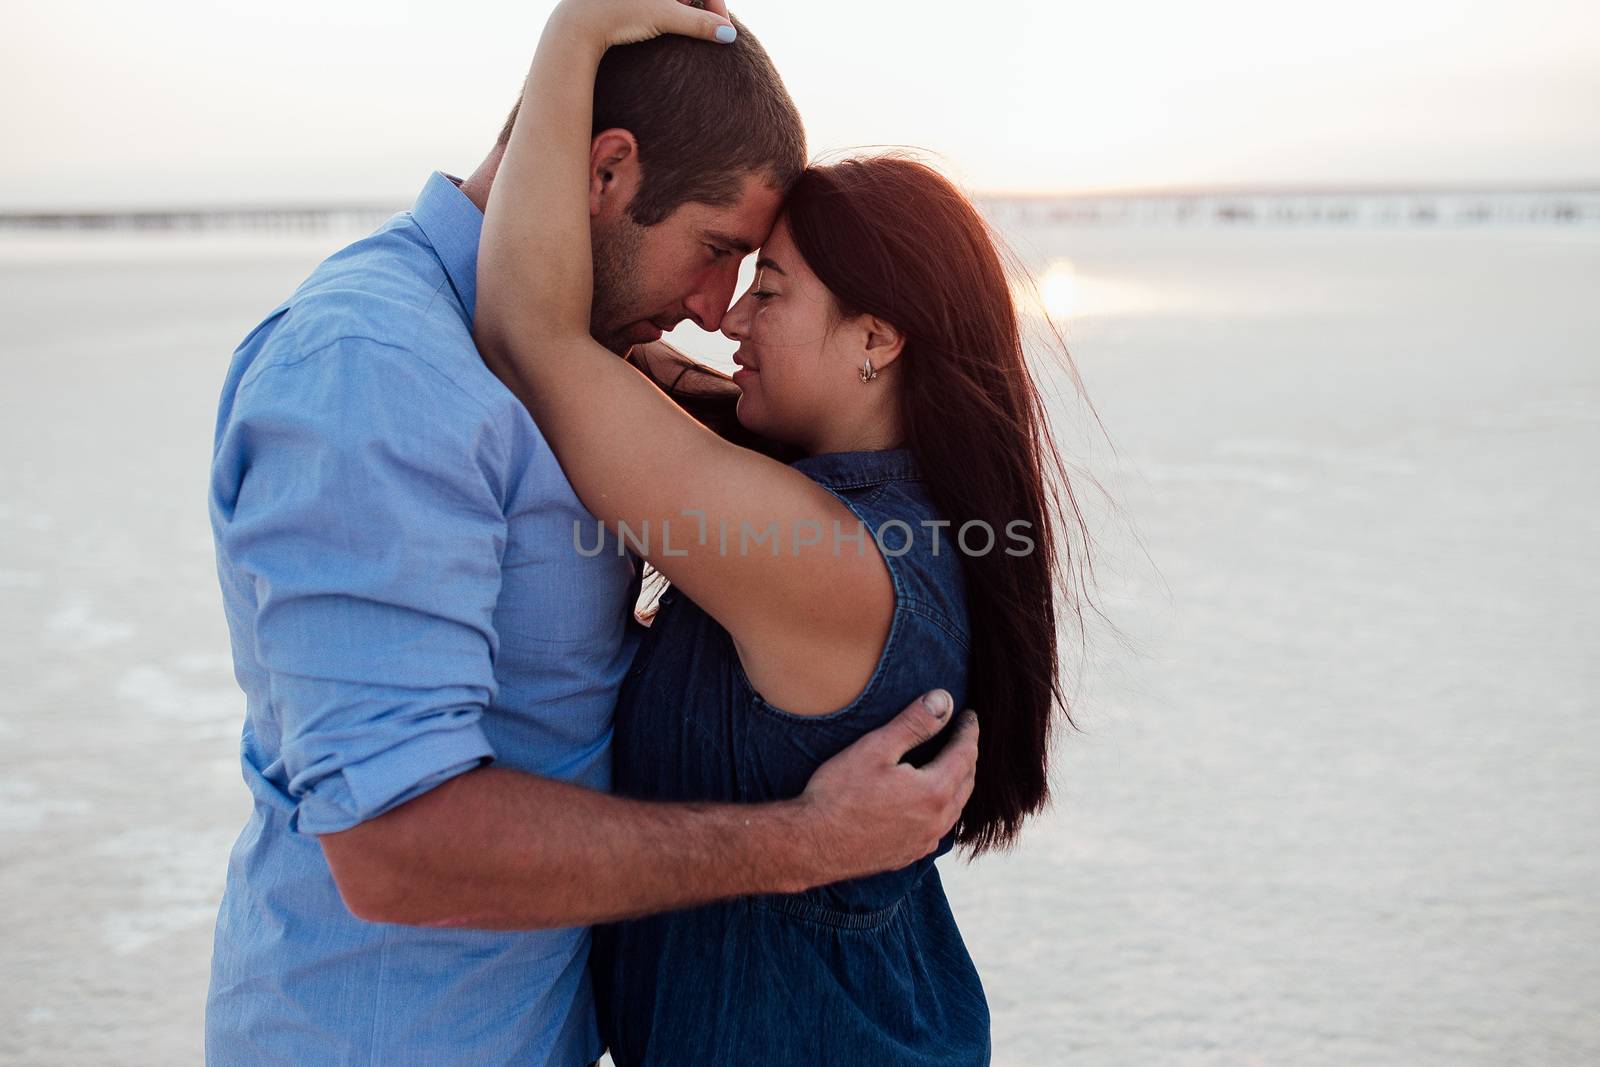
(938, 703)
(726, 34)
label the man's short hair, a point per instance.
(705, 116)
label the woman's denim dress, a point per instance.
(871, 972)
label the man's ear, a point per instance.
(882, 341)
(613, 171)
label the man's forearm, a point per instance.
(499, 849)
(502, 850)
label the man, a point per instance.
(395, 547)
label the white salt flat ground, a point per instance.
(1335, 802)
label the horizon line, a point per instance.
(1132, 192)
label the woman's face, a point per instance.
(796, 358)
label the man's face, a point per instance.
(647, 279)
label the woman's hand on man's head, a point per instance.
(617, 22)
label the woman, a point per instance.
(881, 341)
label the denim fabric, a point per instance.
(871, 972)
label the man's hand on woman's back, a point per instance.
(871, 812)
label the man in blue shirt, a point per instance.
(429, 663)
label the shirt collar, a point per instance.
(855, 470)
(453, 225)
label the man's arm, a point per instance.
(498, 849)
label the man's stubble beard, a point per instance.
(616, 261)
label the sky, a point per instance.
(214, 102)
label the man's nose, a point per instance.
(708, 304)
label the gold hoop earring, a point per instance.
(867, 373)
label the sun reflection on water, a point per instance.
(1068, 294)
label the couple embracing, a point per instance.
(500, 817)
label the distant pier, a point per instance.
(287, 220)
(1411, 208)
(1242, 207)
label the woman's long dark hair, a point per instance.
(891, 237)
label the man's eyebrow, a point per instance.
(766, 264)
(738, 244)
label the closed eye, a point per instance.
(762, 294)
(719, 253)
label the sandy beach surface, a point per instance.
(1336, 797)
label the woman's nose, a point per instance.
(735, 323)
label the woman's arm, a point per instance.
(750, 539)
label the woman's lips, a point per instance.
(743, 374)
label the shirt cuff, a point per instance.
(365, 790)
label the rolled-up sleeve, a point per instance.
(357, 496)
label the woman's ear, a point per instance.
(613, 171)
(883, 342)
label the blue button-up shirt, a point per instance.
(395, 543)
